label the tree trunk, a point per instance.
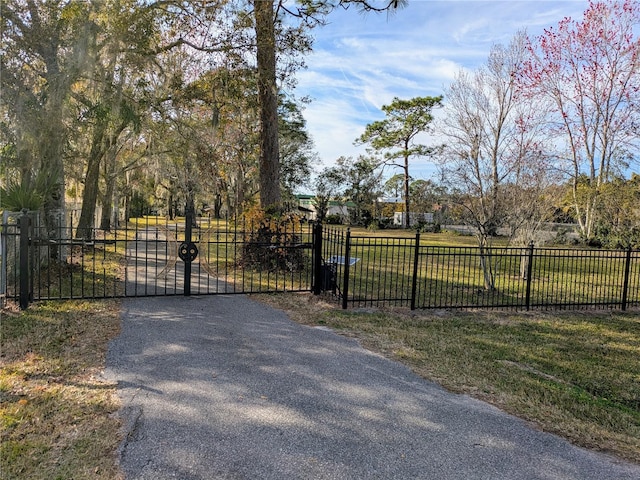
(52, 140)
(171, 207)
(86, 222)
(217, 206)
(107, 205)
(111, 181)
(486, 265)
(407, 220)
(270, 197)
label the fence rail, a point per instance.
(395, 271)
(153, 257)
(223, 256)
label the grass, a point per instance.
(56, 413)
(89, 272)
(575, 374)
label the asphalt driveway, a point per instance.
(222, 387)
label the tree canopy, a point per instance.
(397, 135)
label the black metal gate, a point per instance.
(151, 257)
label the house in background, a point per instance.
(306, 207)
(414, 218)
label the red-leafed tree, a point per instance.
(590, 72)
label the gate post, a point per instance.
(188, 244)
(317, 259)
(24, 260)
(527, 299)
(625, 281)
(414, 278)
(347, 261)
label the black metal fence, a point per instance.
(150, 257)
(391, 271)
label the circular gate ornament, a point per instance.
(188, 251)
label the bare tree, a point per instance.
(266, 14)
(493, 153)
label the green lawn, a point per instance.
(576, 374)
(450, 274)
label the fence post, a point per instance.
(317, 258)
(414, 282)
(529, 275)
(24, 260)
(347, 260)
(4, 230)
(188, 245)
(625, 283)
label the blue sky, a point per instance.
(360, 62)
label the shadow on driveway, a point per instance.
(222, 387)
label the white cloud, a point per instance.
(360, 62)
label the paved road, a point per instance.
(222, 387)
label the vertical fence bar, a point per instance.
(529, 275)
(414, 279)
(126, 251)
(625, 282)
(347, 260)
(24, 260)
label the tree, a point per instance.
(618, 223)
(493, 153)
(45, 51)
(325, 188)
(396, 135)
(590, 72)
(268, 101)
(359, 182)
(425, 194)
(265, 15)
(394, 186)
(108, 102)
(296, 147)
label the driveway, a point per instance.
(222, 387)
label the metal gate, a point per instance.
(151, 257)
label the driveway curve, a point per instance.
(222, 387)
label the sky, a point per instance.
(360, 62)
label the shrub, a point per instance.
(268, 242)
(333, 219)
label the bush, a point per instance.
(428, 227)
(607, 236)
(383, 223)
(333, 219)
(269, 241)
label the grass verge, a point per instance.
(56, 413)
(576, 374)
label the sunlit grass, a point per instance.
(575, 374)
(92, 271)
(56, 412)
